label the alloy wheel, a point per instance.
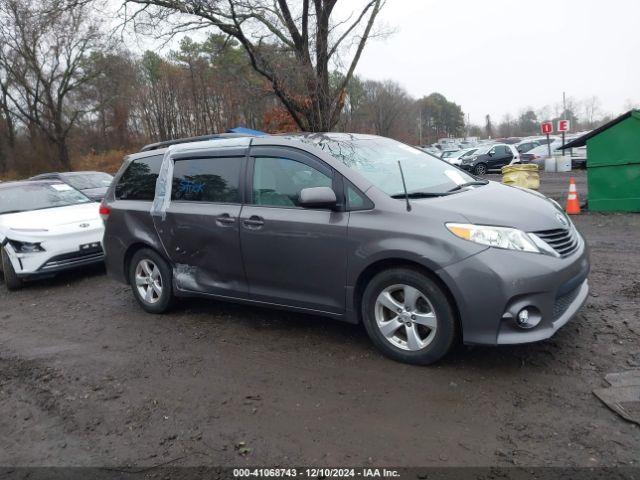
(405, 317)
(148, 281)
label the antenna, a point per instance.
(404, 185)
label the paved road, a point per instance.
(86, 378)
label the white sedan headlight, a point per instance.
(498, 237)
(25, 247)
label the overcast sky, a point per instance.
(499, 56)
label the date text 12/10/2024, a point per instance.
(315, 473)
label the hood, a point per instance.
(96, 194)
(50, 218)
(501, 205)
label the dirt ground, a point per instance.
(87, 378)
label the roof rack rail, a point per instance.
(201, 138)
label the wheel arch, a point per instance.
(385, 264)
(131, 251)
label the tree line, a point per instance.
(72, 93)
(584, 114)
(69, 90)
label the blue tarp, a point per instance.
(246, 131)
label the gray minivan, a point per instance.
(355, 227)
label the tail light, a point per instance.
(104, 211)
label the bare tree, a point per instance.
(488, 129)
(293, 44)
(387, 104)
(44, 57)
(507, 127)
(591, 107)
(7, 122)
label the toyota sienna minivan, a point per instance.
(355, 227)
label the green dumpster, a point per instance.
(613, 164)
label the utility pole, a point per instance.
(420, 126)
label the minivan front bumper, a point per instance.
(490, 288)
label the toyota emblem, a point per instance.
(561, 219)
(83, 225)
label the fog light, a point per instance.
(523, 317)
(527, 319)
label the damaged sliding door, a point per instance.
(200, 228)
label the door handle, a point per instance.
(253, 221)
(225, 219)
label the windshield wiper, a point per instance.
(468, 184)
(11, 211)
(419, 194)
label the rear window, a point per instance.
(138, 182)
(212, 180)
(85, 181)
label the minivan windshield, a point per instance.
(376, 158)
(27, 197)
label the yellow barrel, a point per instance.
(521, 175)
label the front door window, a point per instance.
(277, 181)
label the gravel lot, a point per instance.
(87, 378)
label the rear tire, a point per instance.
(480, 170)
(11, 280)
(151, 281)
(408, 316)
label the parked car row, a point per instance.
(354, 227)
(525, 150)
(540, 153)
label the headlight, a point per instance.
(499, 237)
(25, 247)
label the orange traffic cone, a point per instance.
(573, 205)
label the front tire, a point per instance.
(11, 280)
(480, 170)
(151, 281)
(408, 316)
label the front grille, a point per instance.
(563, 240)
(563, 302)
(73, 258)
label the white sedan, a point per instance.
(539, 154)
(455, 158)
(46, 227)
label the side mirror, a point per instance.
(317, 197)
(492, 153)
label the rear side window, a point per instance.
(138, 182)
(502, 150)
(212, 180)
